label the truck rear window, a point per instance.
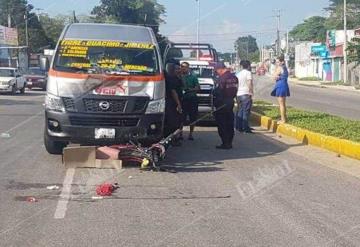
(88, 56)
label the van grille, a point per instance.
(69, 104)
(115, 106)
(140, 105)
(104, 122)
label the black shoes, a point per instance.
(224, 147)
(249, 132)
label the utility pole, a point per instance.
(198, 29)
(26, 28)
(278, 43)
(345, 43)
(75, 20)
(287, 49)
(9, 19)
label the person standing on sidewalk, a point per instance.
(190, 101)
(281, 89)
(244, 97)
(224, 95)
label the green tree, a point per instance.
(354, 51)
(336, 11)
(246, 47)
(18, 10)
(312, 29)
(147, 12)
(227, 57)
(53, 27)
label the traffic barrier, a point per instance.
(337, 145)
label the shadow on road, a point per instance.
(202, 156)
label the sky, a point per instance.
(222, 21)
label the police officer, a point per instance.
(173, 108)
(224, 95)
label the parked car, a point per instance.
(11, 80)
(36, 78)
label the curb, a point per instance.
(322, 84)
(337, 145)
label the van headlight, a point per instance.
(156, 106)
(54, 103)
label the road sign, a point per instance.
(318, 48)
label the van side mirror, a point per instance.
(44, 64)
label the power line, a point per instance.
(222, 34)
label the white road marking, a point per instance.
(65, 194)
(24, 122)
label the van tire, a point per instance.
(53, 147)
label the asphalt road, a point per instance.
(333, 101)
(268, 191)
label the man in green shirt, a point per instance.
(190, 100)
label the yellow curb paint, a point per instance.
(337, 145)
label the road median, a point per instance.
(335, 144)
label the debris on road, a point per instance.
(145, 163)
(130, 177)
(106, 189)
(87, 157)
(53, 187)
(5, 135)
(31, 199)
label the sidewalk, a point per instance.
(322, 84)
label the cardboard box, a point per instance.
(85, 157)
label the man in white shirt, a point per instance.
(244, 97)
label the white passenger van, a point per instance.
(106, 86)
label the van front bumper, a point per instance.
(80, 128)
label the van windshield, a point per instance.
(111, 57)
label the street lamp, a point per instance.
(198, 29)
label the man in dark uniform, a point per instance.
(224, 95)
(174, 93)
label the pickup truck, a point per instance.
(202, 59)
(11, 80)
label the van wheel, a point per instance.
(53, 147)
(22, 91)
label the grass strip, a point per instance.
(321, 123)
